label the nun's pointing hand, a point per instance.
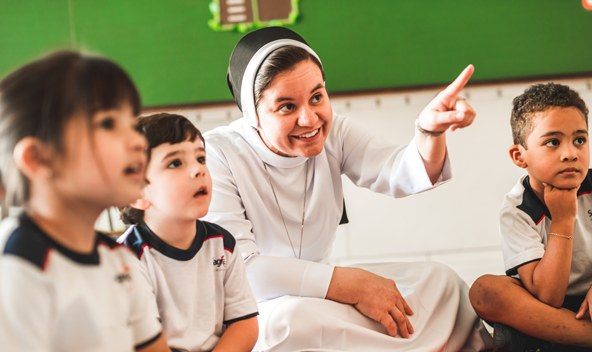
(448, 109)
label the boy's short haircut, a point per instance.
(538, 98)
(159, 129)
(167, 128)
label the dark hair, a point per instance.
(279, 61)
(538, 98)
(39, 98)
(159, 129)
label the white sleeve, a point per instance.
(25, 307)
(239, 302)
(270, 277)
(521, 242)
(143, 317)
(278, 276)
(380, 165)
(144, 268)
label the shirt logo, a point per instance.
(219, 262)
(124, 275)
(590, 214)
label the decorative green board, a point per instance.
(175, 57)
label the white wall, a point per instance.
(457, 223)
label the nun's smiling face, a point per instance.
(294, 112)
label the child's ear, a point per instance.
(32, 157)
(141, 204)
(517, 155)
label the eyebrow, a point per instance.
(317, 87)
(559, 133)
(176, 152)
(171, 154)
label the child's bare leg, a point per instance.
(502, 299)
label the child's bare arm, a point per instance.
(499, 298)
(159, 345)
(547, 279)
(239, 336)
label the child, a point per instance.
(68, 150)
(546, 227)
(197, 274)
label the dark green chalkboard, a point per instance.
(175, 58)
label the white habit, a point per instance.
(293, 312)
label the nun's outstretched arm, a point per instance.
(446, 111)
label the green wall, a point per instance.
(175, 58)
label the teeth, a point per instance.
(311, 134)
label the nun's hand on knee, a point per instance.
(374, 296)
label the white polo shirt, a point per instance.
(525, 223)
(54, 299)
(198, 290)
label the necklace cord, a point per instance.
(282, 215)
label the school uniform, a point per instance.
(55, 299)
(525, 222)
(200, 290)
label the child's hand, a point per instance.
(562, 203)
(586, 306)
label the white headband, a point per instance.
(247, 94)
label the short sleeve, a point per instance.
(25, 306)
(143, 310)
(239, 302)
(521, 241)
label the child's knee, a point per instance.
(485, 296)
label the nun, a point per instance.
(278, 189)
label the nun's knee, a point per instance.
(448, 277)
(292, 319)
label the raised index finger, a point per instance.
(459, 83)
